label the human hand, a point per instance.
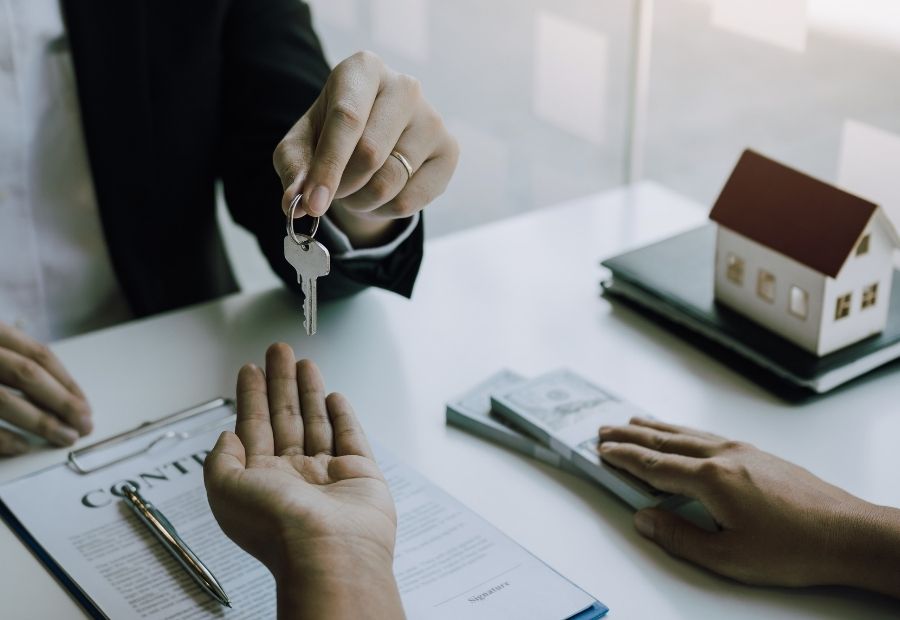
(341, 149)
(37, 395)
(780, 524)
(298, 488)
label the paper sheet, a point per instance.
(449, 562)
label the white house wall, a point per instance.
(775, 315)
(858, 273)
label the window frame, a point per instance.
(734, 264)
(791, 309)
(843, 306)
(869, 296)
(761, 276)
(864, 245)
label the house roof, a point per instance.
(801, 217)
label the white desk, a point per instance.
(524, 294)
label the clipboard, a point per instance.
(79, 460)
(146, 437)
(91, 577)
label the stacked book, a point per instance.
(672, 281)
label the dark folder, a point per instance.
(673, 279)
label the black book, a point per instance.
(673, 280)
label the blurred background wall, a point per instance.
(539, 94)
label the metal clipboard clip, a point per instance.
(76, 458)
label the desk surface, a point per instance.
(523, 294)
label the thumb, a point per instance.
(227, 458)
(292, 158)
(680, 537)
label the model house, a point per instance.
(804, 259)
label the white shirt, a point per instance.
(56, 277)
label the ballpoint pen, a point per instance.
(150, 516)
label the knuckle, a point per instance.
(368, 154)
(410, 84)
(41, 354)
(453, 149)
(44, 426)
(26, 372)
(383, 185)
(285, 410)
(435, 122)
(329, 169)
(660, 441)
(366, 58)
(404, 206)
(254, 414)
(670, 536)
(708, 471)
(73, 408)
(650, 462)
(347, 114)
(732, 445)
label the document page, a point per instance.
(449, 562)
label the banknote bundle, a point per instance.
(472, 412)
(555, 418)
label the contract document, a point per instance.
(449, 562)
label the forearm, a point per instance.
(872, 555)
(343, 583)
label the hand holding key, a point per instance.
(311, 260)
(371, 141)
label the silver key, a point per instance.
(311, 260)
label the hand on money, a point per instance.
(780, 524)
(298, 488)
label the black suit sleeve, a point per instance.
(274, 70)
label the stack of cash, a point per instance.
(555, 418)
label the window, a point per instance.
(863, 246)
(799, 302)
(735, 269)
(765, 285)
(870, 296)
(842, 308)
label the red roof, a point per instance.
(803, 218)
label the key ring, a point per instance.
(290, 225)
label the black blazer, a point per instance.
(176, 94)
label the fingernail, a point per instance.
(605, 429)
(64, 436)
(318, 200)
(644, 523)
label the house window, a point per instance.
(735, 269)
(765, 285)
(863, 246)
(842, 308)
(799, 302)
(870, 295)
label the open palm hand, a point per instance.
(298, 479)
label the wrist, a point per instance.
(337, 579)
(868, 555)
